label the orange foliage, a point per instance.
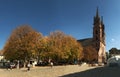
(22, 43)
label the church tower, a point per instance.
(99, 37)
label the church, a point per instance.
(98, 39)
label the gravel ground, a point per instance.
(55, 71)
(63, 71)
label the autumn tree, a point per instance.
(42, 48)
(21, 44)
(63, 47)
(90, 54)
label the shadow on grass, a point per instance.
(97, 72)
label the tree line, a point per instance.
(26, 44)
(113, 52)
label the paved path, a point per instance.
(63, 71)
(42, 71)
(97, 72)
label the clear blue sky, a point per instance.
(73, 17)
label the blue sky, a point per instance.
(73, 17)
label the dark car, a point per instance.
(12, 65)
(113, 65)
(42, 63)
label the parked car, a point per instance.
(42, 63)
(113, 65)
(12, 65)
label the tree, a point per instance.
(114, 51)
(90, 54)
(62, 47)
(21, 44)
(41, 48)
(107, 56)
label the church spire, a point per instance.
(97, 13)
(97, 18)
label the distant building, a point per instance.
(98, 39)
(1, 56)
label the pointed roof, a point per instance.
(96, 17)
(97, 13)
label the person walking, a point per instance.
(28, 66)
(51, 64)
